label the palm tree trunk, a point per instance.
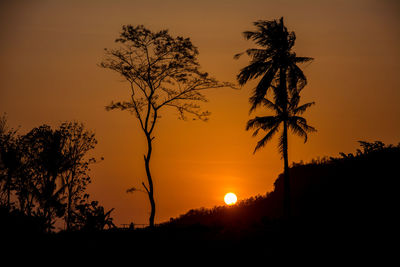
(150, 190)
(286, 180)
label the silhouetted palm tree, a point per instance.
(274, 61)
(277, 64)
(287, 114)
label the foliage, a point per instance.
(45, 162)
(92, 217)
(78, 142)
(44, 173)
(10, 161)
(163, 71)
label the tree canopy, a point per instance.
(45, 173)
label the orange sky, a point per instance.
(49, 52)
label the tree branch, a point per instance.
(145, 187)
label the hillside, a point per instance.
(354, 191)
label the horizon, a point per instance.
(50, 52)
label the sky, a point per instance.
(49, 73)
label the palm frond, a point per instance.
(307, 128)
(259, 54)
(264, 123)
(298, 130)
(294, 101)
(269, 104)
(262, 87)
(303, 59)
(303, 122)
(297, 119)
(253, 70)
(266, 138)
(281, 143)
(299, 126)
(256, 132)
(300, 110)
(249, 34)
(238, 55)
(291, 39)
(296, 78)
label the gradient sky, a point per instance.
(49, 55)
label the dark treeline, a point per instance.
(44, 175)
(352, 193)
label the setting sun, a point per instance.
(230, 198)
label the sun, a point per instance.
(230, 198)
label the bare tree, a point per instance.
(162, 71)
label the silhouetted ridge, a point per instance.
(342, 192)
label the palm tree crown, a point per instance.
(289, 115)
(274, 61)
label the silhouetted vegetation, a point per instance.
(276, 62)
(342, 207)
(92, 217)
(344, 195)
(162, 71)
(44, 176)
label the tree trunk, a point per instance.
(9, 191)
(286, 180)
(69, 208)
(150, 190)
(22, 199)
